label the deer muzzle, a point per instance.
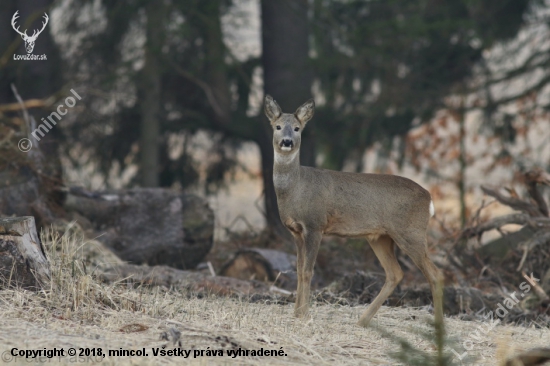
(286, 144)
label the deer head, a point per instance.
(29, 41)
(287, 127)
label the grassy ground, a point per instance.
(79, 312)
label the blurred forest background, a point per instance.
(161, 174)
(453, 93)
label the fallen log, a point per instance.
(265, 265)
(183, 280)
(23, 262)
(151, 226)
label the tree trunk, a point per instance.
(215, 62)
(285, 52)
(462, 165)
(288, 79)
(22, 258)
(151, 96)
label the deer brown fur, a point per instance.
(385, 209)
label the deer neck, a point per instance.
(286, 171)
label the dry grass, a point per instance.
(77, 311)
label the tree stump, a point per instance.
(23, 262)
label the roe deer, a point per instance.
(384, 209)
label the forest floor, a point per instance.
(329, 336)
(79, 312)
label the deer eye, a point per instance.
(278, 127)
(296, 129)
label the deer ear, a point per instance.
(271, 108)
(305, 111)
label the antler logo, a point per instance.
(29, 41)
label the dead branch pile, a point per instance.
(516, 255)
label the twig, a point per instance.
(475, 218)
(523, 257)
(274, 288)
(211, 269)
(538, 290)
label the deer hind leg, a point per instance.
(383, 247)
(416, 247)
(307, 254)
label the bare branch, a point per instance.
(497, 223)
(542, 83)
(31, 103)
(534, 61)
(515, 203)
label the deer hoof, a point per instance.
(367, 324)
(300, 312)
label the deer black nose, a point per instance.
(287, 142)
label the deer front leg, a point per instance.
(307, 248)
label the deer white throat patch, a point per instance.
(282, 180)
(285, 159)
